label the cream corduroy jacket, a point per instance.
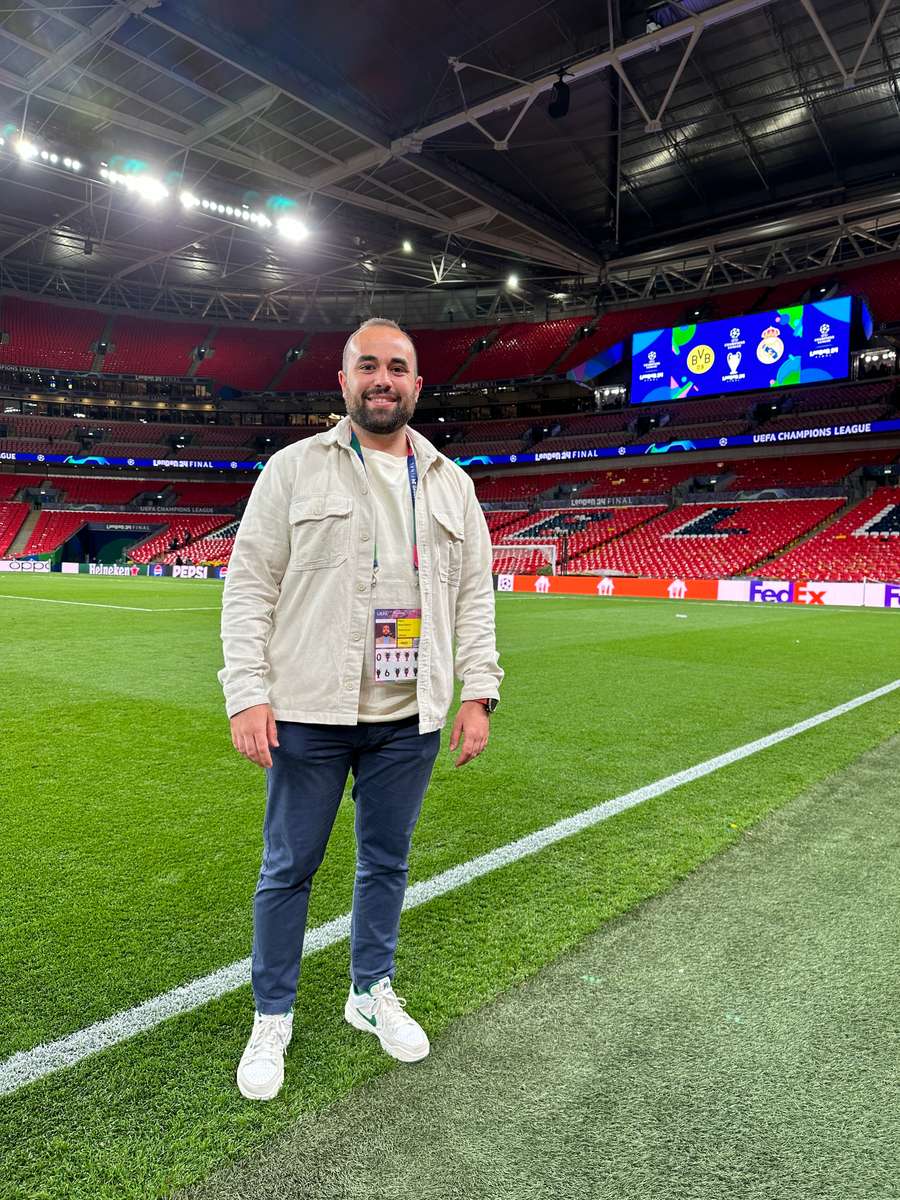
(296, 598)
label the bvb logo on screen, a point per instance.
(700, 359)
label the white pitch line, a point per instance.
(124, 607)
(28, 1066)
(190, 608)
(79, 603)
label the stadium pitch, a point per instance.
(132, 838)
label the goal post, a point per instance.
(525, 558)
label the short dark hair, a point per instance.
(368, 325)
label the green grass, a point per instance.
(132, 840)
(734, 1037)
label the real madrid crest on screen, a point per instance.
(771, 347)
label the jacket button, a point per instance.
(360, 587)
(348, 687)
(357, 636)
(363, 537)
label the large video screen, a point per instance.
(809, 343)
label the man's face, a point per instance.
(380, 386)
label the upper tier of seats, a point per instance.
(317, 369)
(519, 351)
(150, 347)
(863, 544)
(49, 335)
(249, 359)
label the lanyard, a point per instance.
(413, 475)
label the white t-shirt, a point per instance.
(396, 581)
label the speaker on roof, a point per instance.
(820, 291)
(559, 99)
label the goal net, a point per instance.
(525, 558)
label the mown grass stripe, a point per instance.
(28, 1066)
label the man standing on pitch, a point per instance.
(355, 530)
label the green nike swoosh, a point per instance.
(371, 1020)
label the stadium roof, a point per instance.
(706, 145)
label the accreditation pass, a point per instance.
(397, 633)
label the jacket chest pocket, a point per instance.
(320, 531)
(448, 547)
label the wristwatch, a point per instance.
(489, 705)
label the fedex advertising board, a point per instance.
(805, 593)
(808, 592)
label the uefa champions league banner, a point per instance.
(815, 433)
(99, 460)
(810, 594)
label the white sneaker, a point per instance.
(380, 1011)
(260, 1072)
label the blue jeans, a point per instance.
(391, 764)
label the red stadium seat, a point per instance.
(48, 335)
(149, 347)
(863, 544)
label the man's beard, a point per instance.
(380, 420)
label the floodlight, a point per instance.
(292, 229)
(407, 247)
(512, 281)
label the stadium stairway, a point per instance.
(577, 336)
(474, 350)
(849, 503)
(104, 339)
(22, 537)
(287, 363)
(205, 345)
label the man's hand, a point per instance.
(473, 726)
(253, 732)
